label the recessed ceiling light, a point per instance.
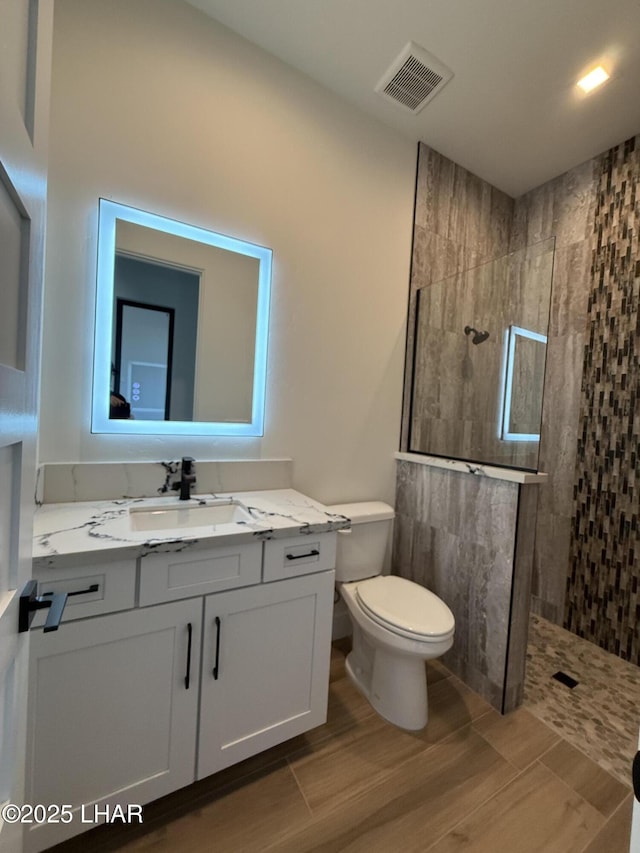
(594, 78)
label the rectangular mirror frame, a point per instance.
(109, 212)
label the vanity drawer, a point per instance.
(299, 555)
(183, 574)
(102, 588)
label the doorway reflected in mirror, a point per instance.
(154, 355)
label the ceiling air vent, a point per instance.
(414, 78)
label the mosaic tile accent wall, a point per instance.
(603, 602)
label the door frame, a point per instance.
(120, 305)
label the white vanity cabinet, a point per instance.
(129, 706)
(266, 646)
(111, 718)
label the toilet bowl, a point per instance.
(397, 624)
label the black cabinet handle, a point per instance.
(313, 553)
(187, 677)
(216, 666)
(93, 588)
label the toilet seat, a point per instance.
(405, 608)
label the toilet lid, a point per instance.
(406, 606)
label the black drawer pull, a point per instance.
(313, 553)
(187, 677)
(216, 666)
(93, 588)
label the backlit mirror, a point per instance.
(181, 328)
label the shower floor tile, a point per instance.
(601, 715)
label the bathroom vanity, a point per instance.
(193, 637)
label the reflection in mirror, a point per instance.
(181, 328)
(143, 360)
(525, 356)
(478, 376)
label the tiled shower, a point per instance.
(585, 556)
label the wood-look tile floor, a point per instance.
(471, 781)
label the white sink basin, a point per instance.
(197, 515)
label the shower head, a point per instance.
(478, 337)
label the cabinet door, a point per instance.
(272, 646)
(111, 719)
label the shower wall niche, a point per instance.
(479, 361)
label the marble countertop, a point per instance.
(67, 534)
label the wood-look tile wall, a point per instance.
(470, 540)
(457, 384)
(562, 208)
(455, 533)
(460, 222)
(603, 602)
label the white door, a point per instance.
(634, 846)
(25, 65)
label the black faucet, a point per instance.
(187, 478)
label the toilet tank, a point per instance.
(361, 550)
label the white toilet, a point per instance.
(397, 624)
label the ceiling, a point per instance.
(512, 113)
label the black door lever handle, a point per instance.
(30, 601)
(58, 602)
(635, 775)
